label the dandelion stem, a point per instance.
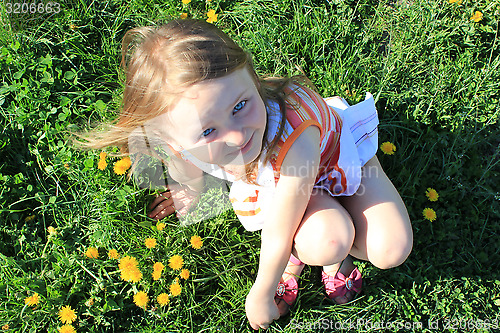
(86, 270)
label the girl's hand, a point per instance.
(261, 310)
(178, 198)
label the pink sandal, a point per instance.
(287, 291)
(339, 285)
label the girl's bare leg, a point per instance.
(383, 229)
(371, 225)
(325, 236)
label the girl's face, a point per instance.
(220, 121)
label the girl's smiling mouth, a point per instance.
(247, 147)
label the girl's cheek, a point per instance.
(260, 114)
(254, 114)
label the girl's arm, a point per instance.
(188, 184)
(297, 177)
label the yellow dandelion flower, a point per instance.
(186, 1)
(127, 262)
(176, 262)
(175, 289)
(430, 214)
(131, 274)
(156, 275)
(67, 315)
(388, 148)
(66, 165)
(113, 254)
(52, 231)
(92, 253)
(122, 166)
(184, 16)
(129, 270)
(5, 327)
(102, 155)
(432, 194)
(134, 275)
(160, 226)
(196, 242)
(101, 165)
(66, 329)
(163, 299)
(184, 274)
(150, 243)
(32, 300)
(478, 16)
(158, 266)
(157, 269)
(212, 17)
(141, 299)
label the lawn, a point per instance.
(434, 68)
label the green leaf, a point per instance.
(62, 116)
(110, 306)
(100, 105)
(69, 75)
(47, 60)
(15, 45)
(89, 163)
(98, 235)
(145, 224)
(64, 101)
(17, 75)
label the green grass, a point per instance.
(436, 77)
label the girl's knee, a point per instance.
(390, 253)
(329, 246)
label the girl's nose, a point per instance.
(234, 138)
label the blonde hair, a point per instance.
(159, 62)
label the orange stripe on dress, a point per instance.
(291, 139)
(343, 180)
(252, 199)
(247, 212)
(318, 107)
(298, 107)
(293, 115)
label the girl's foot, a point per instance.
(289, 277)
(345, 267)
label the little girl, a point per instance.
(303, 169)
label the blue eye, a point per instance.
(240, 105)
(207, 132)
